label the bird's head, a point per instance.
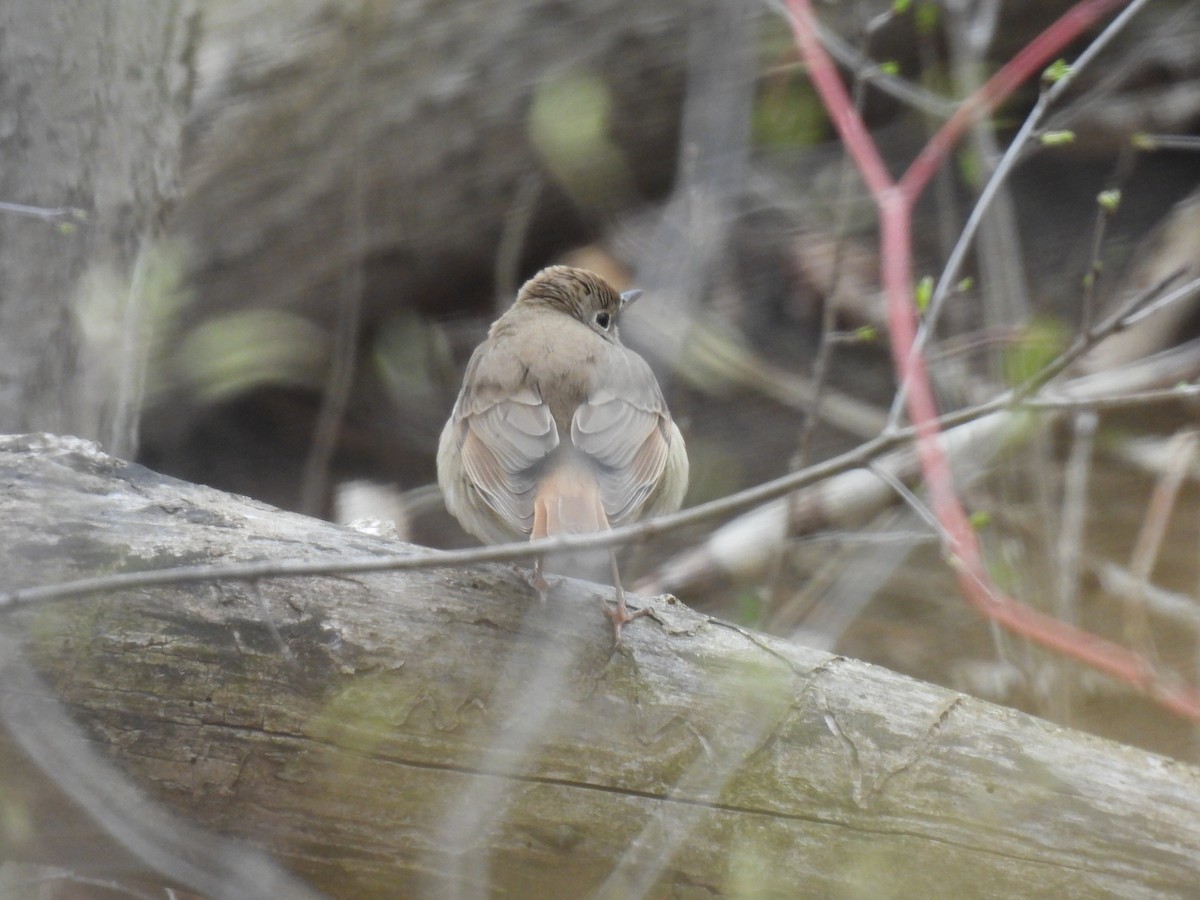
(581, 294)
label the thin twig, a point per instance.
(1069, 545)
(829, 310)
(71, 215)
(1129, 312)
(513, 236)
(1181, 453)
(951, 272)
(1115, 401)
(903, 491)
(1186, 142)
(715, 509)
(349, 300)
(894, 202)
(865, 69)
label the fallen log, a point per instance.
(436, 732)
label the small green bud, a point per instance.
(1057, 138)
(1056, 71)
(924, 293)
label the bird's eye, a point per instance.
(603, 319)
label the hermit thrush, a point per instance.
(559, 428)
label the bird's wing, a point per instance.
(624, 428)
(505, 431)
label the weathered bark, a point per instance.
(394, 137)
(397, 734)
(94, 97)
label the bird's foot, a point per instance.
(620, 616)
(541, 583)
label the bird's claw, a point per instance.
(620, 616)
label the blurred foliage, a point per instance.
(237, 352)
(749, 608)
(970, 167)
(1042, 340)
(569, 127)
(123, 321)
(715, 470)
(100, 308)
(928, 18)
(16, 823)
(789, 114)
(413, 358)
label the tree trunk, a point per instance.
(93, 98)
(436, 732)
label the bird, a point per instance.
(559, 428)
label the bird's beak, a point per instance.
(628, 297)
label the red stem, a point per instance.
(1030, 60)
(895, 202)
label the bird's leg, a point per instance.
(621, 614)
(540, 583)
